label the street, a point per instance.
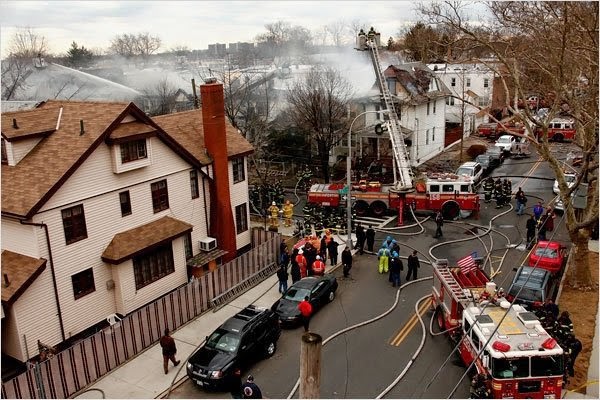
(363, 362)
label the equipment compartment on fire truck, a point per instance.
(507, 344)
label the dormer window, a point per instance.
(4, 154)
(132, 151)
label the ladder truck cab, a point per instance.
(507, 344)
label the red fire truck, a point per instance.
(559, 129)
(451, 194)
(507, 344)
(492, 130)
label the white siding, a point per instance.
(239, 195)
(21, 148)
(22, 239)
(36, 315)
(11, 343)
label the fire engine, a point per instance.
(559, 129)
(507, 343)
(450, 194)
(492, 130)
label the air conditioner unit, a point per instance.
(208, 244)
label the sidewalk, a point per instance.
(143, 377)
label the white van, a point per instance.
(472, 169)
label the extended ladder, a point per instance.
(451, 283)
(404, 177)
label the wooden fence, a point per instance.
(89, 359)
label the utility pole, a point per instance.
(310, 366)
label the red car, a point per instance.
(551, 256)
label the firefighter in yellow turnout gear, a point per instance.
(288, 211)
(274, 215)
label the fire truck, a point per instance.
(559, 129)
(506, 343)
(450, 194)
(492, 130)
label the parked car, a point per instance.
(496, 153)
(488, 162)
(569, 177)
(249, 335)
(532, 286)
(472, 169)
(507, 143)
(319, 289)
(551, 256)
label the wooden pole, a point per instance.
(310, 366)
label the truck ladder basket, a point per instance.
(217, 302)
(452, 284)
(405, 175)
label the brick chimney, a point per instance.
(222, 225)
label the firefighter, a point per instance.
(565, 326)
(498, 193)
(318, 267)
(384, 257)
(507, 191)
(488, 188)
(479, 388)
(288, 211)
(274, 215)
(572, 347)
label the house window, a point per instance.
(74, 224)
(83, 283)
(435, 101)
(450, 101)
(468, 82)
(433, 134)
(241, 218)
(427, 136)
(239, 173)
(153, 266)
(135, 150)
(125, 201)
(194, 184)
(428, 105)
(377, 114)
(160, 196)
(453, 82)
(4, 154)
(187, 245)
(486, 82)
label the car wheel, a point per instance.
(331, 296)
(270, 349)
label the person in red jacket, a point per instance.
(301, 260)
(318, 267)
(305, 312)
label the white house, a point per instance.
(471, 86)
(420, 105)
(101, 208)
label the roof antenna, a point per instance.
(82, 131)
(15, 123)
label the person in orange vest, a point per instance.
(318, 267)
(301, 260)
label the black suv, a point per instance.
(247, 336)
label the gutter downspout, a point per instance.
(51, 259)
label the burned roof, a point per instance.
(416, 79)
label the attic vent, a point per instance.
(82, 131)
(15, 123)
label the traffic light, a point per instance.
(380, 129)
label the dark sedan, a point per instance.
(319, 289)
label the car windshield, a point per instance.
(547, 366)
(504, 140)
(503, 368)
(296, 294)
(570, 178)
(223, 340)
(526, 294)
(493, 150)
(545, 252)
(464, 171)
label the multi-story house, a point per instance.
(471, 87)
(420, 100)
(102, 207)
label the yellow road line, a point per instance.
(401, 335)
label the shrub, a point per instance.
(476, 150)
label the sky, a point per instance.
(194, 24)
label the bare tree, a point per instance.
(14, 73)
(159, 99)
(147, 44)
(26, 43)
(130, 45)
(336, 31)
(548, 48)
(319, 104)
(282, 38)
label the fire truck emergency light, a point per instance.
(549, 343)
(501, 346)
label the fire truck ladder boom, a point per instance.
(404, 179)
(452, 284)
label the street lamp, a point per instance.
(349, 176)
